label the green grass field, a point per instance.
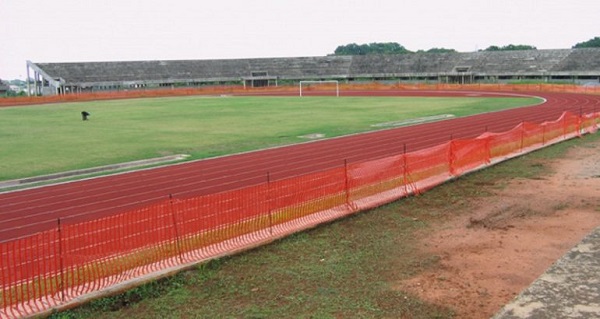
(36, 140)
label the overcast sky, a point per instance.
(126, 30)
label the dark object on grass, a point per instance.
(84, 115)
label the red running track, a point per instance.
(29, 211)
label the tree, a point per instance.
(371, 48)
(511, 47)
(440, 50)
(593, 43)
(493, 48)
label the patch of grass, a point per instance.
(560, 206)
(152, 290)
(37, 140)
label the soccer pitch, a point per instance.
(43, 139)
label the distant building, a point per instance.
(16, 88)
(564, 65)
(4, 87)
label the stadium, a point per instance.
(67, 243)
(580, 66)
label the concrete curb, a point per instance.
(92, 170)
(570, 288)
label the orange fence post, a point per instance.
(404, 169)
(177, 238)
(451, 157)
(61, 266)
(522, 134)
(564, 125)
(543, 134)
(269, 203)
(346, 186)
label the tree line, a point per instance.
(396, 48)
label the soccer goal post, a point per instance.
(305, 84)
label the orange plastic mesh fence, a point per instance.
(468, 155)
(51, 268)
(429, 167)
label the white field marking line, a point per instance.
(415, 120)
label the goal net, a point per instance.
(320, 88)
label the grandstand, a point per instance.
(580, 66)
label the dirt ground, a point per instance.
(490, 255)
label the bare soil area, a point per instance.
(489, 255)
